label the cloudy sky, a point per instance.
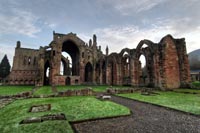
(117, 23)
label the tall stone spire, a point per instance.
(94, 40)
(107, 50)
(90, 43)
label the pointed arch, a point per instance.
(46, 73)
(139, 47)
(148, 53)
(72, 49)
(88, 72)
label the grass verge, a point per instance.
(44, 90)
(180, 101)
(187, 91)
(12, 90)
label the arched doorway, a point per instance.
(113, 72)
(145, 64)
(88, 72)
(125, 69)
(68, 81)
(143, 75)
(97, 71)
(46, 73)
(66, 64)
(71, 48)
(104, 72)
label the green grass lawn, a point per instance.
(100, 88)
(75, 108)
(44, 90)
(11, 90)
(187, 91)
(71, 87)
(185, 102)
(196, 84)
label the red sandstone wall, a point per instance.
(171, 66)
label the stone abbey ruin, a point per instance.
(167, 64)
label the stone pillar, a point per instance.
(108, 74)
(171, 65)
(56, 59)
(100, 76)
(94, 74)
(82, 72)
(120, 73)
(134, 72)
(157, 80)
(41, 66)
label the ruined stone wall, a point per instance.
(173, 63)
(86, 53)
(171, 75)
(25, 66)
(183, 62)
(61, 80)
(167, 64)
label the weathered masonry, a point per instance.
(166, 63)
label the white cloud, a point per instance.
(85, 37)
(50, 25)
(129, 36)
(19, 22)
(143, 20)
(9, 51)
(128, 7)
(192, 40)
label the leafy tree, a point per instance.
(4, 67)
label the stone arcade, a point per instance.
(166, 63)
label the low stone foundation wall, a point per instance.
(20, 95)
(48, 117)
(83, 92)
(119, 91)
(128, 90)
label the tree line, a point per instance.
(4, 67)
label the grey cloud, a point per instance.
(133, 20)
(130, 7)
(182, 15)
(18, 21)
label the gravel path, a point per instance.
(146, 118)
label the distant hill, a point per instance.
(194, 59)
